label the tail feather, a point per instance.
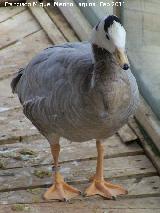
(16, 79)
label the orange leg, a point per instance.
(99, 185)
(60, 190)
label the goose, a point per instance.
(80, 91)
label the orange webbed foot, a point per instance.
(61, 191)
(105, 189)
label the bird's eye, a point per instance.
(107, 36)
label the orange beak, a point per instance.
(121, 58)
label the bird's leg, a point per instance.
(60, 190)
(99, 185)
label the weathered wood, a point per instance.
(18, 55)
(46, 23)
(92, 202)
(134, 211)
(57, 17)
(11, 155)
(15, 126)
(138, 188)
(9, 12)
(147, 146)
(13, 30)
(76, 171)
(76, 20)
(149, 122)
(126, 134)
(8, 100)
(75, 207)
(145, 184)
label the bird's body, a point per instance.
(80, 91)
(58, 97)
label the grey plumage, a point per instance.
(76, 91)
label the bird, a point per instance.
(80, 91)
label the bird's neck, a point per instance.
(103, 63)
(98, 53)
(103, 60)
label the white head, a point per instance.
(109, 34)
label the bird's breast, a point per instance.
(120, 97)
(99, 114)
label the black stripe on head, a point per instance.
(109, 21)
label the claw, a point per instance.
(114, 197)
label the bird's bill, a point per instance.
(121, 58)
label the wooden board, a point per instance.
(138, 188)
(57, 17)
(15, 127)
(11, 155)
(96, 203)
(148, 147)
(77, 172)
(19, 54)
(149, 122)
(8, 100)
(76, 20)
(14, 29)
(97, 206)
(46, 23)
(126, 134)
(9, 12)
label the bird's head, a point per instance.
(110, 35)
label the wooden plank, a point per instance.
(126, 134)
(14, 29)
(62, 24)
(149, 122)
(76, 19)
(48, 209)
(138, 188)
(60, 207)
(93, 202)
(147, 146)
(8, 12)
(15, 127)
(46, 23)
(121, 168)
(98, 202)
(8, 100)
(17, 55)
(134, 211)
(11, 155)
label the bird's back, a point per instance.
(55, 66)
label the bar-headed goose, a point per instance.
(80, 91)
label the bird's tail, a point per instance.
(16, 79)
